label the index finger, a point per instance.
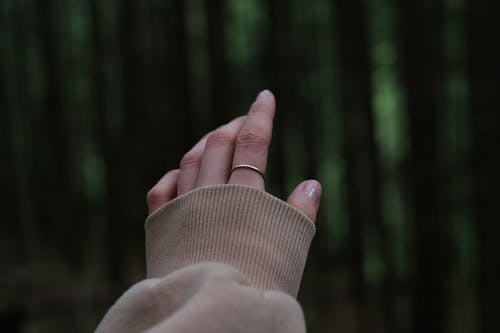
(252, 142)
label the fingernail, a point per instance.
(312, 189)
(263, 94)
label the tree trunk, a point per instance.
(58, 124)
(180, 79)
(483, 47)
(9, 228)
(421, 48)
(355, 101)
(219, 87)
(278, 63)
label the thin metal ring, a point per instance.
(251, 167)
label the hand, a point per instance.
(245, 140)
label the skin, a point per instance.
(244, 140)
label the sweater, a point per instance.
(224, 258)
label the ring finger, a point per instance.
(190, 166)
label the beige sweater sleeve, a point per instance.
(224, 258)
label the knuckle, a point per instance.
(222, 136)
(261, 107)
(190, 159)
(154, 196)
(252, 136)
(305, 207)
(258, 106)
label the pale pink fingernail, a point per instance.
(312, 188)
(263, 94)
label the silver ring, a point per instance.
(251, 167)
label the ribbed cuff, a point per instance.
(259, 234)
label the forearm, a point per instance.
(206, 297)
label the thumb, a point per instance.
(305, 198)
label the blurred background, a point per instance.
(392, 104)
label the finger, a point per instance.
(218, 155)
(164, 191)
(252, 142)
(190, 166)
(306, 198)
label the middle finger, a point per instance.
(218, 155)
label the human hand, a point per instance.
(242, 142)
